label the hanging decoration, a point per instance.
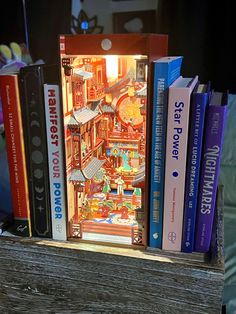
(84, 24)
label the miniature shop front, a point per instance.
(104, 103)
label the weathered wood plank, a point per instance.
(124, 267)
(79, 278)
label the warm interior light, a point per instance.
(108, 98)
(112, 68)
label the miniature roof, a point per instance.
(107, 109)
(72, 122)
(94, 106)
(82, 116)
(118, 85)
(91, 169)
(85, 75)
(77, 175)
(142, 92)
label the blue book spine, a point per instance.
(197, 118)
(166, 71)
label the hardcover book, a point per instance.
(176, 157)
(55, 160)
(9, 91)
(106, 123)
(213, 144)
(32, 80)
(166, 71)
(199, 101)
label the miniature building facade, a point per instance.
(104, 111)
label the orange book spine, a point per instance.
(9, 92)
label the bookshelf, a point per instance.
(39, 276)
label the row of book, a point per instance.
(77, 138)
(32, 122)
(187, 135)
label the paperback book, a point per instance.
(176, 157)
(55, 160)
(166, 71)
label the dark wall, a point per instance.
(46, 19)
(11, 22)
(204, 33)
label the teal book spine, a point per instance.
(166, 71)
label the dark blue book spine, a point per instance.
(197, 117)
(213, 144)
(166, 71)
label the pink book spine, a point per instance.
(176, 157)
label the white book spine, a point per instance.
(55, 161)
(175, 168)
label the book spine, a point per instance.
(55, 160)
(213, 142)
(197, 117)
(34, 125)
(164, 75)
(175, 169)
(16, 154)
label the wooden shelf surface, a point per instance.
(67, 277)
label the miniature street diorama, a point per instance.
(104, 105)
